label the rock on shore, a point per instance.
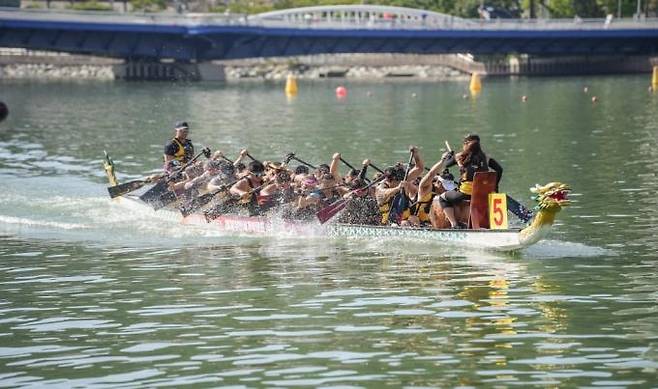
(310, 72)
(57, 72)
(351, 66)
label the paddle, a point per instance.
(204, 199)
(351, 167)
(252, 203)
(375, 167)
(332, 209)
(225, 158)
(400, 200)
(519, 210)
(159, 195)
(523, 213)
(127, 187)
(292, 156)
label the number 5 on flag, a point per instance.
(498, 211)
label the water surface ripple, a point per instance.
(96, 294)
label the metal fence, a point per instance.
(331, 17)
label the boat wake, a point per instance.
(81, 211)
(549, 249)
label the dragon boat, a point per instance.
(549, 198)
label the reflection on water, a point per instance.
(255, 314)
(94, 293)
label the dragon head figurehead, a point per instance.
(551, 197)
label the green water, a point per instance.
(98, 294)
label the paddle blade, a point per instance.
(398, 205)
(189, 208)
(164, 200)
(330, 211)
(159, 196)
(122, 189)
(523, 213)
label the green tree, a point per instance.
(149, 5)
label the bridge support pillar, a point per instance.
(144, 70)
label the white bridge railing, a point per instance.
(331, 17)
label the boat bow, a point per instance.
(550, 198)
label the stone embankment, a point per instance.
(278, 72)
(56, 72)
(22, 64)
(45, 66)
(351, 66)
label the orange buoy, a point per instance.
(476, 85)
(291, 86)
(341, 92)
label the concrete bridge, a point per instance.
(195, 38)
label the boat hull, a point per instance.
(495, 240)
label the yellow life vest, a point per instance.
(385, 210)
(466, 187)
(180, 153)
(423, 206)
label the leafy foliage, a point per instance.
(149, 5)
(91, 6)
(461, 8)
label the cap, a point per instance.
(181, 125)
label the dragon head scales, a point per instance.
(550, 199)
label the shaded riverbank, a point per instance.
(21, 64)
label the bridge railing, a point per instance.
(142, 18)
(330, 17)
(383, 17)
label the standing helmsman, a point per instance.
(179, 148)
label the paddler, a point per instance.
(395, 184)
(277, 192)
(470, 160)
(429, 186)
(246, 188)
(179, 148)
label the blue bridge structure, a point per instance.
(316, 30)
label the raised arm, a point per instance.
(243, 153)
(241, 187)
(382, 194)
(364, 169)
(426, 183)
(333, 168)
(419, 165)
